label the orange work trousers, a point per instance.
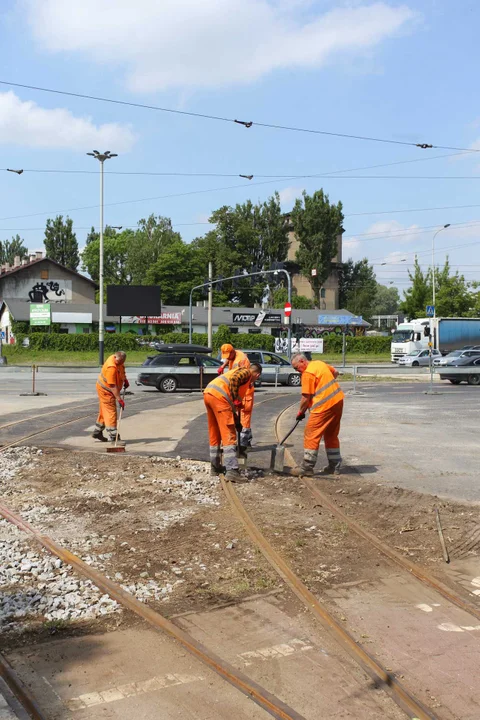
(221, 431)
(246, 413)
(107, 416)
(324, 424)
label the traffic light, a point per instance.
(426, 330)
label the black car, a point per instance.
(470, 359)
(182, 370)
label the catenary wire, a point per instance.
(247, 124)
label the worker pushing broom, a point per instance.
(111, 380)
(233, 359)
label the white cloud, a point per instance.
(29, 125)
(288, 196)
(392, 231)
(210, 43)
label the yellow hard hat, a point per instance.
(226, 350)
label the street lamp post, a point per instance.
(433, 263)
(101, 157)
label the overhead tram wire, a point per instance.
(245, 123)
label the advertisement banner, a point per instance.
(313, 345)
(40, 314)
(251, 318)
(166, 318)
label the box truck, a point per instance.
(447, 334)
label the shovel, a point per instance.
(242, 461)
(278, 452)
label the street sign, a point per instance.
(314, 272)
(288, 309)
(40, 314)
(430, 310)
(2, 335)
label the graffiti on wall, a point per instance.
(51, 291)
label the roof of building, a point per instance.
(27, 265)
(20, 310)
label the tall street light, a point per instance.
(101, 157)
(433, 263)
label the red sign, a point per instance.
(288, 309)
(166, 318)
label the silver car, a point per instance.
(419, 358)
(274, 368)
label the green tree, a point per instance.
(115, 253)
(10, 249)
(246, 237)
(358, 288)
(317, 224)
(176, 270)
(299, 302)
(61, 242)
(387, 300)
(153, 236)
(419, 295)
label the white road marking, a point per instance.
(275, 651)
(130, 689)
(424, 607)
(450, 627)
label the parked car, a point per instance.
(455, 355)
(274, 365)
(472, 360)
(418, 358)
(169, 371)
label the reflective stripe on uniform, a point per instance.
(310, 455)
(326, 399)
(325, 387)
(230, 457)
(223, 392)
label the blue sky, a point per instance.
(399, 71)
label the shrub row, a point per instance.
(362, 344)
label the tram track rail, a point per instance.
(404, 563)
(20, 690)
(275, 707)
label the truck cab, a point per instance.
(408, 337)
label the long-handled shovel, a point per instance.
(242, 461)
(278, 453)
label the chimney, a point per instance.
(16, 261)
(25, 261)
(2, 269)
(7, 267)
(32, 257)
(39, 255)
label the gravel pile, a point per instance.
(194, 483)
(38, 586)
(15, 459)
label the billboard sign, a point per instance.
(40, 314)
(166, 318)
(340, 320)
(251, 318)
(133, 300)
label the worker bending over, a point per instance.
(323, 396)
(223, 399)
(233, 359)
(110, 382)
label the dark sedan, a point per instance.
(470, 359)
(183, 370)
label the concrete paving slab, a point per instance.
(432, 645)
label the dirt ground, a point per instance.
(164, 531)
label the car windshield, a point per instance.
(401, 336)
(413, 354)
(455, 353)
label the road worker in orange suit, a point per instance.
(110, 382)
(233, 359)
(322, 395)
(223, 399)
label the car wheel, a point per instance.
(167, 385)
(415, 364)
(294, 380)
(473, 379)
(455, 381)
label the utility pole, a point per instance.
(101, 157)
(210, 306)
(433, 266)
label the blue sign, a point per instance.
(2, 335)
(430, 310)
(340, 320)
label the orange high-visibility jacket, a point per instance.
(111, 374)
(220, 388)
(241, 360)
(318, 380)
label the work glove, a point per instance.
(237, 404)
(126, 384)
(220, 370)
(122, 403)
(300, 416)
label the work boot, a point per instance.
(331, 469)
(98, 435)
(216, 470)
(302, 471)
(235, 476)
